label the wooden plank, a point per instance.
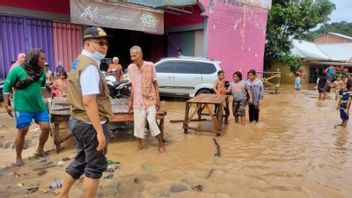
(185, 123)
(209, 99)
(193, 114)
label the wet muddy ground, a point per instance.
(293, 152)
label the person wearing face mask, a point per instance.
(91, 110)
(28, 80)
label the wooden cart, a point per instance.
(60, 112)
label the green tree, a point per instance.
(290, 19)
(337, 27)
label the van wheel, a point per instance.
(204, 91)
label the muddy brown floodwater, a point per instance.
(293, 152)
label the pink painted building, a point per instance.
(232, 32)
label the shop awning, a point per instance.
(117, 15)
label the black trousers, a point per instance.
(88, 160)
(253, 113)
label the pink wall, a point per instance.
(236, 36)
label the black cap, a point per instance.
(94, 33)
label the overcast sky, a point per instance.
(343, 11)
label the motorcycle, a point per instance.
(117, 89)
(2, 82)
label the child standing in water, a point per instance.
(219, 84)
(344, 105)
(257, 89)
(239, 90)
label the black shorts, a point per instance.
(88, 160)
(321, 90)
(239, 107)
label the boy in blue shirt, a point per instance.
(344, 105)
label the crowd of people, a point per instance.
(339, 79)
(86, 90)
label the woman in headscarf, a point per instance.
(20, 60)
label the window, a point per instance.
(207, 68)
(188, 68)
(166, 67)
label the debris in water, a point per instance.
(66, 159)
(41, 172)
(57, 184)
(44, 190)
(109, 176)
(198, 188)
(20, 185)
(210, 173)
(218, 152)
(32, 187)
(179, 187)
(112, 169)
(112, 162)
(136, 180)
(44, 167)
(60, 163)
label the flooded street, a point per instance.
(293, 152)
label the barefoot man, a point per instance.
(91, 111)
(145, 99)
(28, 79)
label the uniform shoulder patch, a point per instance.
(74, 64)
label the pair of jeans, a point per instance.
(253, 113)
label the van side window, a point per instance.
(188, 68)
(207, 68)
(166, 67)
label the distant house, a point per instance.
(332, 38)
(314, 57)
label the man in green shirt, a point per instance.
(28, 80)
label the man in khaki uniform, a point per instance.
(91, 111)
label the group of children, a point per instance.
(244, 93)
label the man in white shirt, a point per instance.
(91, 111)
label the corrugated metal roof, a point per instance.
(340, 52)
(304, 49)
(335, 52)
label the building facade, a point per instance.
(230, 31)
